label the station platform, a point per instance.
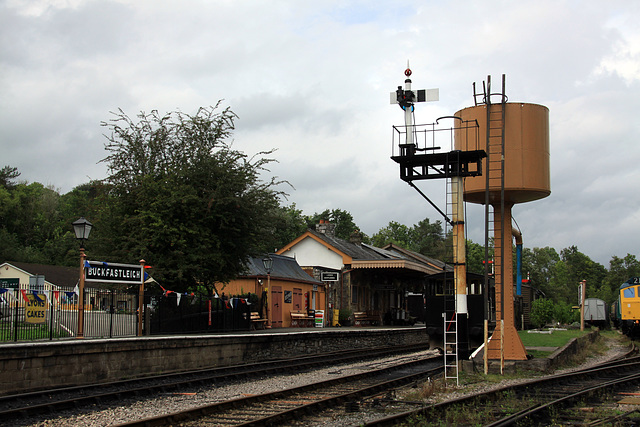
(43, 364)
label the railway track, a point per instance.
(21, 408)
(300, 405)
(566, 399)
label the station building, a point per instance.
(359, 277)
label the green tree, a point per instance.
(538, 264)
(425, 237)
(620, 270)
(342, 219)
(561, 287)
(7, 175)
(184, 200)
(289, 224)
(428, 238)
(396, 233)
(581, 267)
(475, 257)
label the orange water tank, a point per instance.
(527, 175)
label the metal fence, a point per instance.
(28, 315)
(173, 314)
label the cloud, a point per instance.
(312, 80)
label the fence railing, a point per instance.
(28, 315)
(198, 314)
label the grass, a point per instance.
(555, 339)
(28, 332)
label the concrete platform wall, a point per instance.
(33, 366)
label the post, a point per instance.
(267, 299)
(485, 355)
(141, 299)
(583, 291)
(80, 333)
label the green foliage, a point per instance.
(289, 224)
(7, 175)
(475, 257)
(344, 316)
(343, 221)
(542, 312)
(564, 314)
(425, 237)
(184, 199)
(620, 270)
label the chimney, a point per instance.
(326, 228)
(356, 237)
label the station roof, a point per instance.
(284, 267)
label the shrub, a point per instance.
(542, 311)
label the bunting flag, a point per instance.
(36, 296)
(86, 264)
(56, 295)
(164, 291)
(10, 293)
(215, 294)
(3, 290)
(231, 302)
(76, 290)
(70, 294)
(178, 299)
(47, 298)
(23, 292)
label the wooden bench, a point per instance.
(256, 321)
(301, 319)
(367, 318)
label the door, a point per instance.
(297, 299)
(276, 305)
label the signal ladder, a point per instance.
(450, 314)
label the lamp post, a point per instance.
(268, 265)
(81, 228)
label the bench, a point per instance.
(367, 318)
(301, 319)
(256, 321)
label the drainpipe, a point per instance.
(516, 233)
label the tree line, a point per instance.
(179, 195)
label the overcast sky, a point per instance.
(312, 80)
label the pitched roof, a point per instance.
(360, 252)
(54, 274)
(284, 267)
(435, 263)
(363, 256)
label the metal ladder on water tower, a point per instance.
(495, 149)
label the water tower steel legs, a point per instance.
(513, 347)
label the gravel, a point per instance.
(133, 409)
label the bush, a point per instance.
(345, 316)
(542, 311)
(563, 314)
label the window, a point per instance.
(629, 292)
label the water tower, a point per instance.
(515, 137)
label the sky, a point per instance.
(312, 80)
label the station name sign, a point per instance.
(329, 276)
(95, 271)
